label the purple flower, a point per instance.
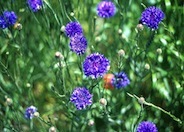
(106, 9)
(146, 126)
(120, 80)
(8, 18)
(35, 5)
(81, 97)
(151, 17)
(3, 24)
(78, 44)
(73, 28)
(29, 113)
(95, 65)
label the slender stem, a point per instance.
(157, 107)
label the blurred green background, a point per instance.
(30, 74)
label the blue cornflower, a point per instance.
(73, 28)
(7, 19)
(81, 98)
(106, 9)
(146, 126)
(35, 5)
(3, 24)
(95, 65)
(151, 17)
(78, 44)
(29, 113)
(120, 80)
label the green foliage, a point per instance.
(31, 75)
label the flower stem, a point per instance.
(157, 107)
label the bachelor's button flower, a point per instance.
(7, 19)
(151, 17)
(120, 80)
(3, 24)
(81, 97)
(95, 65)
(73, 28)
(78, 44)
(10, 17)
(29, 113)
(106, 9)
(146, 126)
(35, 5)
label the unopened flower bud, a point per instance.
(141, 100)
(98, 39)
(28, 85)
(36, 114)
(18, 26)
(58, 55)
(120, 31)
(72, 14)
(147, 66)
(103, 101)
(9, 101)
(62, 29)
(140, 27)
(159, 51)
(121, 52)
(52, 129)
(91, 122)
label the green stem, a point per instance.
(157, 107)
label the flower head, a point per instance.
(8, 18)
(95, 65)
(151, 17)
(106, 9)
(35, 5)
(81, 97)
(73, 28)
(120, 80)
(78, 44)
(146, 126)
(3, 24)
(29, 113)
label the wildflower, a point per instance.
(8, 18)
(2, 23)
(120, 80)
(106, 9)
(35, 5)
(95, 65)
(30, 111)
(151, 17)
(146, 126)
(81, 97)
(73, 28)
(78, 44)
(108, 83)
